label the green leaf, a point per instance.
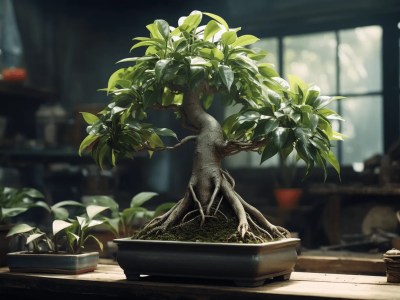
(100, 244)
(295, 82)
(135, 59)
(228, 37)
(67, 203)
(161, 67)
(42, 204)
(93, 210)
(280, 136)
(227, 75)
(150, 98)
(163, 28)
(60, 213)
(153, 42)
(192, 21)
(34, 237)
(218, 19)
(331, 158)
(248, 116)
(87, 142)
(94, 223)
(12, 212)
(270, 150)
(113, 79)
(33, 193)
(165, 132)
(211, 29)
(19, 228)
(208, 101)
(267, 70)
(102, 200)
(154, 31)
(139, 199)
(245, 40)
(266, 126)
(59, 225)
(216, 53)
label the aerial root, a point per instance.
(217, 184)
(252, 224)
(228, 177)
(258, 227)
(198, 203)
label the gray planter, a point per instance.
(52, 263)
(245, 264)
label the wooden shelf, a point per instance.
(108, 282)
(341, 262)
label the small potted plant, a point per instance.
(62, 251)
(13, 202)
(124, 223)
(287, 193)
(212, 226)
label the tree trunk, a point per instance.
(209, 182)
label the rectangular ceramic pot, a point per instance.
(245, 264)
(52, 263)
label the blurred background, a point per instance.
(56, 55)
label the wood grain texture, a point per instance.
(108, 282)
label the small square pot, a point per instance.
(52, 263)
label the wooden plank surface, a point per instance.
(341, 264)
(108, 281)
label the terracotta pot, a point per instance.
(244, 264)
(288, 198)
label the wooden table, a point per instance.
(109, 282)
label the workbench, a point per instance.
(109, 282)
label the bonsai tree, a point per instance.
(183, 69)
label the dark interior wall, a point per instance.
(71, 46)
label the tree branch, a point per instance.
(173, 107)
(232, 147)
(182, 142)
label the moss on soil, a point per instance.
(219, 229)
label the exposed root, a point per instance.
(217, 183)
(198, 203)
(251, 225)
(228, 177)
(219, 204)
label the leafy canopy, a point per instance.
(275, 115)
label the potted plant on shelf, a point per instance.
(124, 223)
(13, 202)
(212, 231)
(59, 252)
(286, 192)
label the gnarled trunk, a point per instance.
(209, 185)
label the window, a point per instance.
(343, 62)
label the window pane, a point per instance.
(360, 60)
(312, 58)
(363, 127)
(271, 46)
